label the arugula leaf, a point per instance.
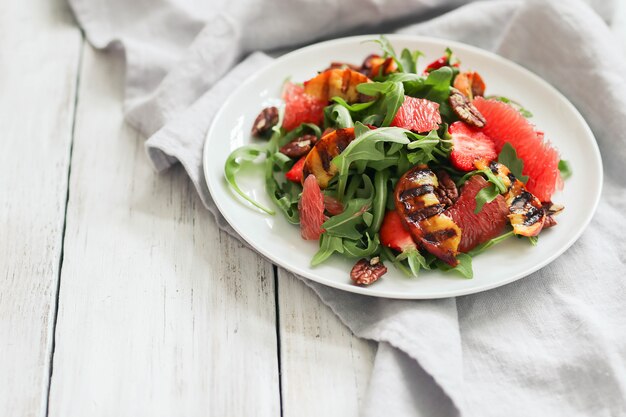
(508, 157)
(533, 240)
(388, 50)
(337, 116)
(486, 195)
(451, 57)
(424, 147)
(484, 246)
(435, 87)
(346, 223)
(409, 60)
(366, 147)
(380, 200)
(494, 179)
(355, 249)
(390, 100)
(464, 267)
(565, 169)
(388, 255)
(328, 246)
(415, 260)
(233, 164)
(355, 107)
(285, 196)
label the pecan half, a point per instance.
(464, 109)
(366, 272)
(299, 147)
(446, 192)
(265, 121)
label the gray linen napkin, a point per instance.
(553, 343)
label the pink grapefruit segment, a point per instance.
(417, 114)
(311, 209)
(541, 160)
(301, 107)
(477, 228)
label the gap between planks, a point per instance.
(55, 313)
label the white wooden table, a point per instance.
(119, 296)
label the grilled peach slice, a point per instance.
(319, 160)
(375, 65)
(526, 213)
(336, 83)
(470, 84)
(423, 214)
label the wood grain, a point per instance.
(325, 368)
(39, 58)
(161, 314)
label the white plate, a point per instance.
(280, 241)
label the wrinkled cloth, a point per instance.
(551, 344)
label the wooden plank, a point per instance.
(39, 59)
(325, 369)
(161, 314)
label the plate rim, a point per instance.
(371, 291)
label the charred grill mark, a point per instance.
(343, 140)
(494, 167)
(440, 235)
(520, 201)
(325, 157)
(511, 178)
(532, 216)
(416, 192)
(425, 212)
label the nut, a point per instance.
(265, 121)
(299, 147)
(446, 192)
(366, 272)
(464, 109)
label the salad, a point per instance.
(383, 163)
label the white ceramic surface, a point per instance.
(280, 241)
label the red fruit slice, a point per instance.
(417, 114)
(300, 107)
(394, 235)
(478, 228)
(438, 63)
(311, 209)
(296, 172)
(541, 160)
(469, 145)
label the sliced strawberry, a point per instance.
(296, 172)
(417, 114)
(468, 146)
(394, 235)
(311, 208)
(444, 61)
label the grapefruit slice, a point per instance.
(541, 160)
(301, 107)
(311, 209)
(417, 114)
(483, 226)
